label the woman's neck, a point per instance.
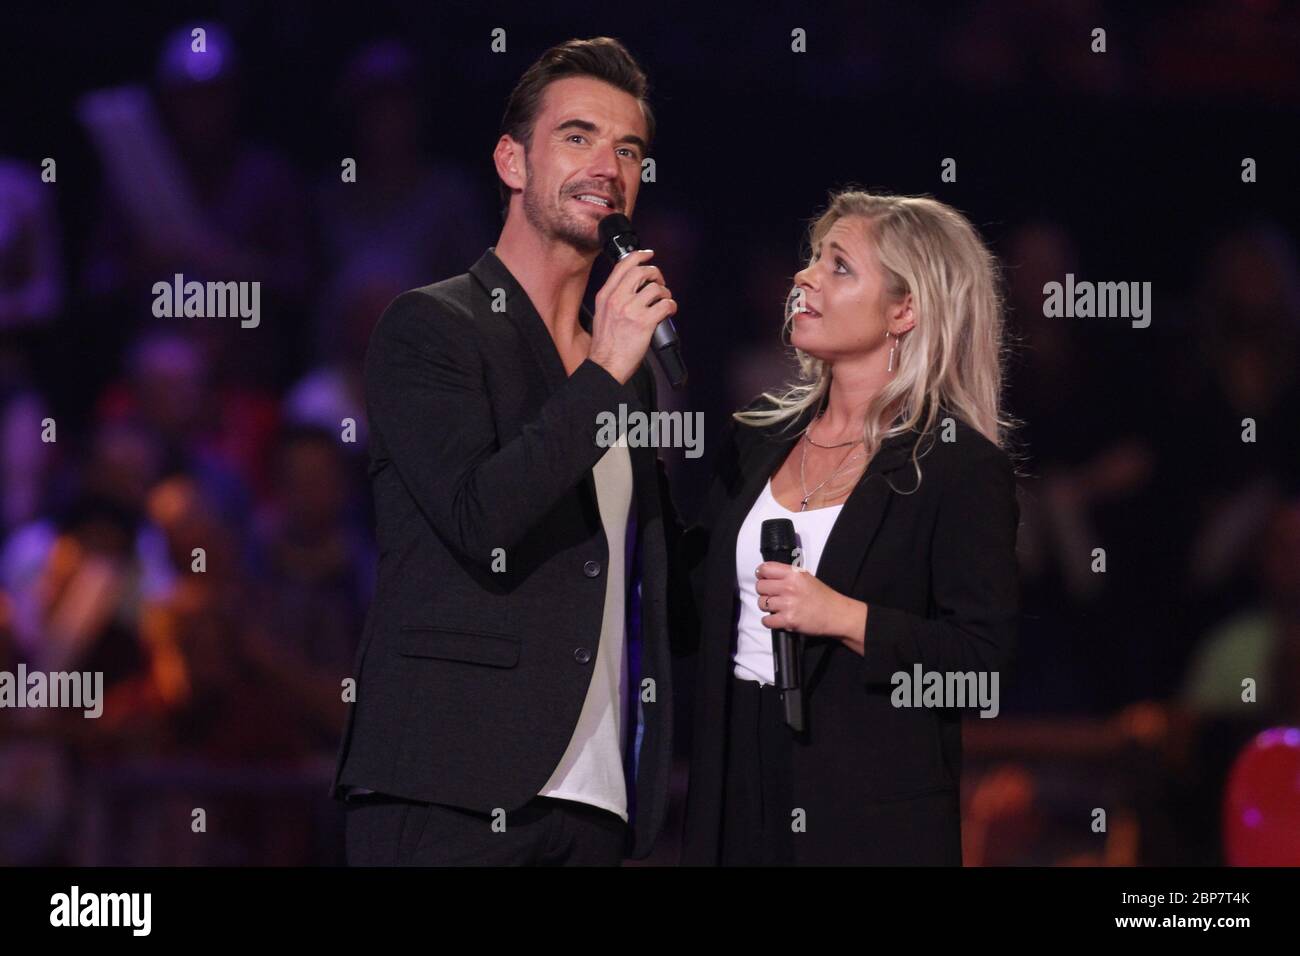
(847, 400)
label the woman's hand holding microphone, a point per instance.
(795, 600)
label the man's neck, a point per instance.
(554, 274)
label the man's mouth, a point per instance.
(595, 199)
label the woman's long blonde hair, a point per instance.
(953, 356)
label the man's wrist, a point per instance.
(608, 366)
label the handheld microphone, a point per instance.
(776, 540)
(620, 241)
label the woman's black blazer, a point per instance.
(937, 568)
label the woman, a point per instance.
(887, 457)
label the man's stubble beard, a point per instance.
(559, 226)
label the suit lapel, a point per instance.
(491, 273)
(864, 509)
(757, 468)
(767, 459)
(855, 529)
(645, 470)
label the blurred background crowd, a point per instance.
(224, 688)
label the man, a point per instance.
(496, 720)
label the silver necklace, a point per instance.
(803, 483)
(844, 444)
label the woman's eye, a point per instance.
(840, 264)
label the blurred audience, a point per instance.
(237, 211)
(423, 217)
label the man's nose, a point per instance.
(605, 162)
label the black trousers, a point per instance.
(391, 831)
(758, 811)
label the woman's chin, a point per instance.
(807, 344)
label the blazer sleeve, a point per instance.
(974, 582)
(427, 402)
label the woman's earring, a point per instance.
(892, 348)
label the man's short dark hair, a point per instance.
(602, 58)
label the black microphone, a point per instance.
(620, 241)
(776, 541)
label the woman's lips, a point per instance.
(799, 305)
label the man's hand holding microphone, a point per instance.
(621, 244)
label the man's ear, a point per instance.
(509, 160)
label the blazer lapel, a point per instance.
(850, 538)
(767, 458)
(757, 467)
(863, 511)
(645, 470)
(491, 273)
(855, 529)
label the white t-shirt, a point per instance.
(753, 654)
(591, 770)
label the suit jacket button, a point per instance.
(582, 655)
(591, 569)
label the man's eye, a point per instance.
(573, 136)
(630, 154)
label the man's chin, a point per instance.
(583, 238)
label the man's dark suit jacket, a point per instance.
(938, 570)
(470, 679)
